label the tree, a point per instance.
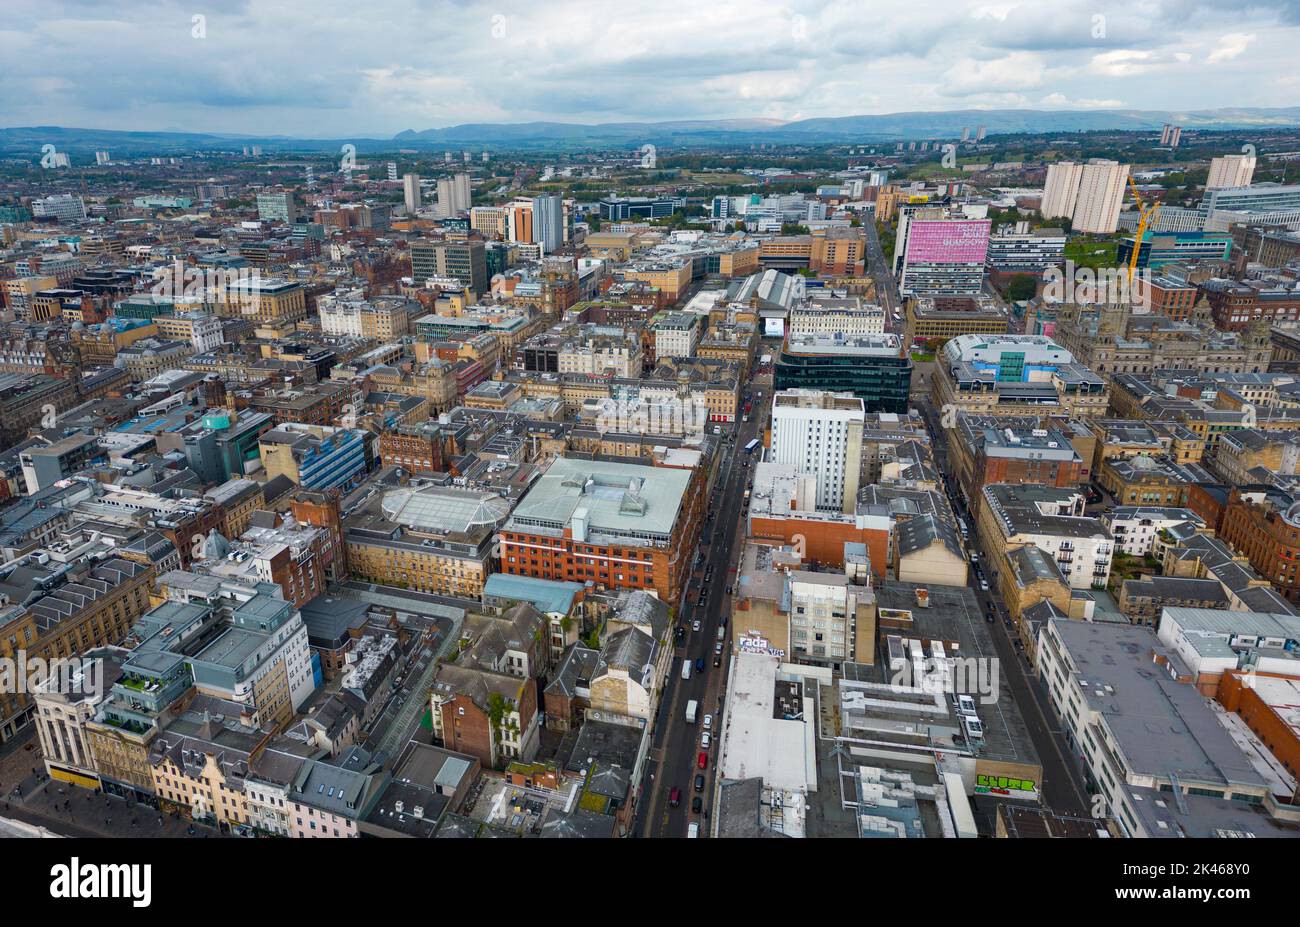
(1022, 286)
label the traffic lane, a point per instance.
(681, 751)
(720, 545)
(677, 754)
(1063, 788)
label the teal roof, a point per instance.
(546, 595)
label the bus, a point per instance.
(749, 448)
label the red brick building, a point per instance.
(1268, 534)
(1166, 296)
(321, 509)
(490, 716)
(620, 525)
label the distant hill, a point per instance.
(558, 135)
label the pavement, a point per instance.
(31, 797)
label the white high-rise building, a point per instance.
(1101, 193)
(1231, 171)
(454, 195)
(392, 172)
(820, 434)
(411, 192)
(1061, 190)
(548, 222)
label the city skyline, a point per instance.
(234, 71)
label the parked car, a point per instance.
(697, 805)
(699, 783)
(705, 739)
(702, 761)
(708, 722)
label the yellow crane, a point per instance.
(1147, 216)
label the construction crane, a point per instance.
(1147, 216)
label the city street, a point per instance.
(1062, 785)
(673, 758)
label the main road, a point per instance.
(1063, 789)
(674, 754)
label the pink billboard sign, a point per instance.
(964, 241)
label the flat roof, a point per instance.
(1161, 726)
(624, 500)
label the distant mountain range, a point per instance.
(27, 142)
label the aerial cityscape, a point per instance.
(890, 431)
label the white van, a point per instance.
(693, 830)
(686, 668)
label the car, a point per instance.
(697, 805)
(708, 722)
(705, 739)
(679, 633)
(675, 797)
(728, 590)
(699, 783)
(702, 761)
(693, 831)
(699, 664)
(695, 625)
(717, 648)
(717, 659)
(984, 585)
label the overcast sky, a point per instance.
(370, 68)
